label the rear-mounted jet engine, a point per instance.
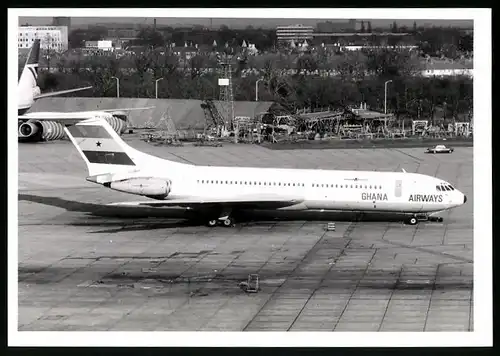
(150, 187)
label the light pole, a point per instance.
(156, 87)
(117, 86)
(257, 89)
(385, 95)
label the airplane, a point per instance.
(27, 88)
(45, 126)
(216, 193)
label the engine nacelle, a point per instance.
(118, 124)
(41, 130)
(36, 91)
(151, 187)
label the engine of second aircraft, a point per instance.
(150, 187)
(41, 131)
(36, 91)
(118, 123)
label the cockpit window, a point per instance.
(439, 188)
(451, 187)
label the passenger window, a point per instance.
(336, 185)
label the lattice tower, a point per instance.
(226, 104)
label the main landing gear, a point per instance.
(413, 220)
(227, 222)
(225, 219)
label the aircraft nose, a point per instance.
(465, 198)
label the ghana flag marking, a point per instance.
(89, 131)
(106, 157)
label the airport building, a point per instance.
(296, 33)
(105, 46)
(51, 37)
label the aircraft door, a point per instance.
(399, 188)
(398, 194)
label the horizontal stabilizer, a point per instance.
(253, 201)
(70, 117)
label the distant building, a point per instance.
(98, 47)
(296, 33)
(185, 52)
(51, 37)
(125, 34)
(62, 21)
(337, 26)
(102, 45)
(446, 68)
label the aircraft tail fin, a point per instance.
(105, 152)
(27, 85)
(101, 147)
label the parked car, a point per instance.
(440, 149)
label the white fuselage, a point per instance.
(398, 192)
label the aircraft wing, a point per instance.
(54, 93)
(251, 201)
(70, 117)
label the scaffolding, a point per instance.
(226, 100)
(214, 122)
(164, 132)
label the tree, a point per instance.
(394, 27)
(414, 30)
(369, 29)
(306, 63)
(150, 38)
(76, 39)
(466, 42)
(197, 63)
(362, 27)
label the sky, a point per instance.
(235, 22)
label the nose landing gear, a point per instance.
(413, 220)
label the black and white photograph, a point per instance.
(308, 173)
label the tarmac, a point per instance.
(87, 267)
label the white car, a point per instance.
(440, 149)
